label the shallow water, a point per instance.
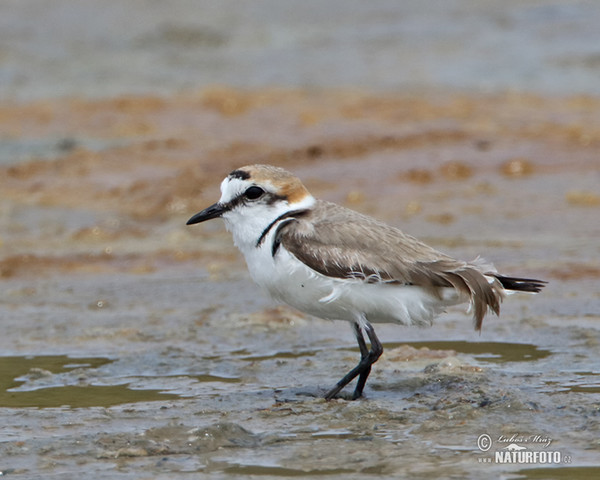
(58, 380)
(40, 381)
(224, 392)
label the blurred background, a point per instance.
(132, 343)
(98, 49)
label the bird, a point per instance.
(335, 263)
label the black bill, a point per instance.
(214, 211)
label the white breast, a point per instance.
(287, 279)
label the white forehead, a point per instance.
(231, 188)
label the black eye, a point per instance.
(253, 193)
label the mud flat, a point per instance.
(136, 347)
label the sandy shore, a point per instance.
(135, 346)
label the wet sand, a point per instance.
(136, 347)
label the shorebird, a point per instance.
(335, 263)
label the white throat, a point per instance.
(247, 223)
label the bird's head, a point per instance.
(254, 196)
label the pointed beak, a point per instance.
(214, 211)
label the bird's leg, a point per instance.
(372, 356)
(362, 370)
(362, 346)
(364, 353)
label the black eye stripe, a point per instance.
(267, 198)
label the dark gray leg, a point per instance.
(363, 369)
(364, 353)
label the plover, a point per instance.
(335, 263)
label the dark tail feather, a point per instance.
(521, 284)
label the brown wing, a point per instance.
(342, 243)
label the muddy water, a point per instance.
(133, 346)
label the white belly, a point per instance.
(289, 280)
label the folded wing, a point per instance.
(342, 243)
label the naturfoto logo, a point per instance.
(520, 448)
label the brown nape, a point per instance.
(285, 183)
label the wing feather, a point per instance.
(338, 242)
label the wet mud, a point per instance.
(134, 346)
